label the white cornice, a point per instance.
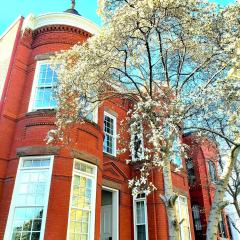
(34, 22)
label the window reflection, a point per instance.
(82, 205)
(44, 97)
(27, 223)
(32, 188)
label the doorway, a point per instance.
(109, 214)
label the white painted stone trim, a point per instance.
(34, 22)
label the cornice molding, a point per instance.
(60, 28)
(34, 22)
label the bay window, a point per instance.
(28, 208)
(82, 206)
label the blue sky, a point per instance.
(11, 9)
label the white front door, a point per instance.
(106, 222)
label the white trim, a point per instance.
(114, 132)
(34, 22)
(95, 114)
(9, 227)
(144, 200)
(93, 198)
(180, 217)
(115, 211)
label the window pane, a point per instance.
(83, 167)
(81, 202)
(44, 96)
(212, 171)
(140, 212)
(196, 217)
(109, 143)
(29, 196)
(141, 232)
(27, 220)
(140, 221)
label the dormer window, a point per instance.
(212, 171)
(44, 85)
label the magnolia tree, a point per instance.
(171, 59)
(233, 194)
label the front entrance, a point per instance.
(109, 214)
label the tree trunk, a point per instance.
(237, 207)
(169, 199)
(218, 204)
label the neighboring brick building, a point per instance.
(202, 176)
(80, 190)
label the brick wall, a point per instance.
(24, 134)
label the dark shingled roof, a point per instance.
(73, 11)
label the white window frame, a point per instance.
(34, 86)
(114, 132)
(93, 197)
(9, 226)
(180, 216)
(135, 200)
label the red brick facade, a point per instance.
(22, 133)
(202, 188)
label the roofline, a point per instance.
(11, 26)
(33, 22)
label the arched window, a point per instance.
(212, 171)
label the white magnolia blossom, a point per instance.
(177, 62)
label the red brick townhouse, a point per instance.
(202, 175)
(79, 191)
